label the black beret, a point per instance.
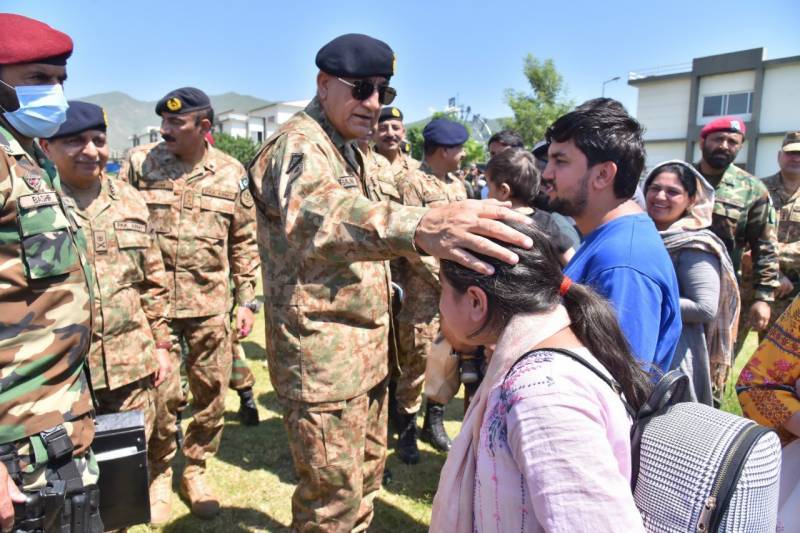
(390, 113)
(183, 100)
(356, 56)
(82, 116)
(445, 132)
(539, 150)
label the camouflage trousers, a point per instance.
(414, 341)
(137, 396)
(208, 368)
(241, 375)
(339, 451)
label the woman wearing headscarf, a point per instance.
(680, 202)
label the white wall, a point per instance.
(663, 108)
(658, 152)
(780, 111)
(732, 82)
(767, 158)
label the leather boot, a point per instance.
(248, 413)
(406, 445)
(195, 488)
(433, 428)
(161, 498)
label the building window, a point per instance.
(136, 140)
(728, 104)
(260, 137)
(153, 136)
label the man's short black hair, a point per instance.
(604, 131)
(509, 138)
(204, 113)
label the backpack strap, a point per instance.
(611, 382)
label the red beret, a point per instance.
(25, 40)
(732, 124)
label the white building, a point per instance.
(257, 124)
(674, 106)
(148, 135)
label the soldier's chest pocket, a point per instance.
(159, 203)
(388, 191)
(215, 217)
(434, 198)
(47, 245)
(132, 246)
(729, 209)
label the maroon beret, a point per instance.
(25, 40)
(732, 124)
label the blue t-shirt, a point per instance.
(625, 261)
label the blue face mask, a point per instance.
(42, 109)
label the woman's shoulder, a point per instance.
(545, 372)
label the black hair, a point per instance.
(204, 113)
(532, 286)
(517, 169)
(604, 131)
(507, 137)
(686, 177)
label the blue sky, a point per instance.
(472, 50)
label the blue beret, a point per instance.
(354, 55)
(183, 100)
(81, 116)
(390, 113)
(445, 132)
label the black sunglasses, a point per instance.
(364, 89)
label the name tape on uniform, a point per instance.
(38, 200)
(220, 193)
(130, 225)
(348, 182)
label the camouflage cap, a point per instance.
(791, 142)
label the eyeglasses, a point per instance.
(364, 89)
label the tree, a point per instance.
(242, 148)
(534, 112)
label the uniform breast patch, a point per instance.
(100, 242)
(130, 225)
(220, 193)
(348, 182)
(38, 200)
(160, 184)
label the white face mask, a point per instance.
(42, 109)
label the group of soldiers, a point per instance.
(114, 283)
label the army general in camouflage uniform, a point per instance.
(130, 337)
(324, 237)
(784, 189)
(45, 284)
(417, 323)
(202, 215)
(743, 217)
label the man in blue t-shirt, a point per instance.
(595, 158)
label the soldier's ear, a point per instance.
(45, 145)
(322, 85)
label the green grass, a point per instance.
(254, 477)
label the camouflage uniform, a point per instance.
(241, 375)
(745, 219)
(324, 247)
(402, 166)
(130, 298)
(417, 322)
(45, 310)
(788, 210)
(204, 222)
